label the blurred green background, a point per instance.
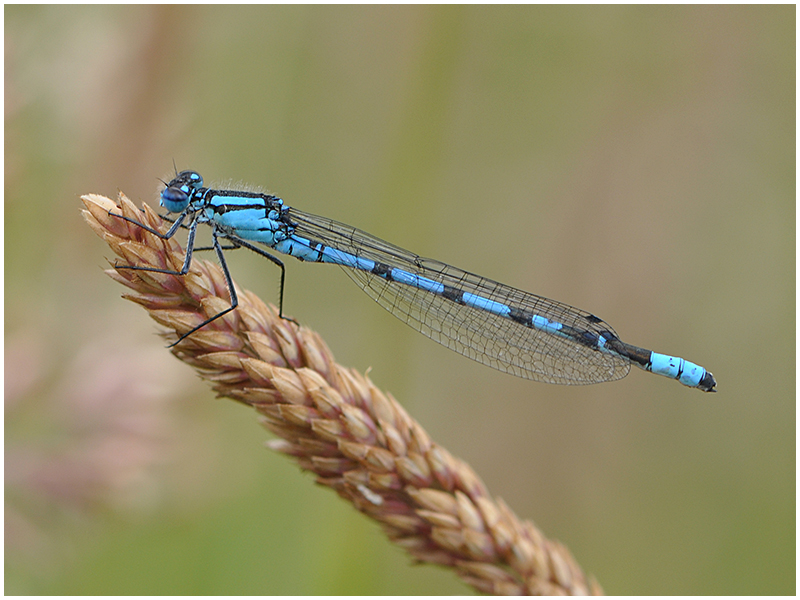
(637, 162)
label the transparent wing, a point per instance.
(483, 336)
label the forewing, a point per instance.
(488, 338)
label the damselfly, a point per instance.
(497, 325)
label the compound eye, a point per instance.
(175, 199)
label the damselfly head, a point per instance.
(176, 194)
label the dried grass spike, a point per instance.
(334, 421)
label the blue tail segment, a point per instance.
(510, 330)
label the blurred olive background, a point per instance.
(637, 162)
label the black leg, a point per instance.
(164, 236)
(228, 282)
(240, 243)
(189, 249)
(233, 246)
